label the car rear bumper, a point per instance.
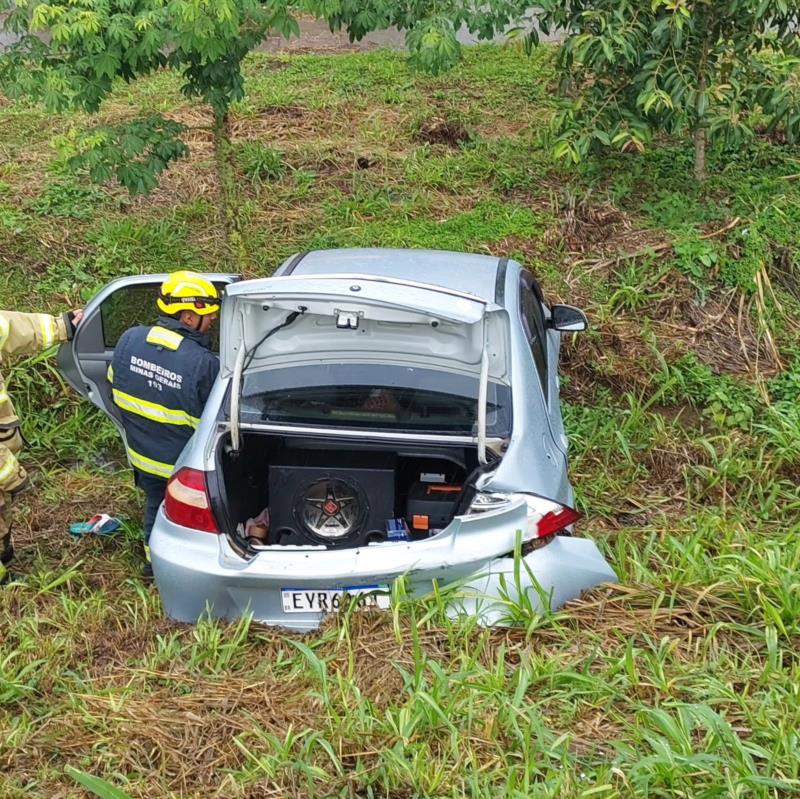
(198, 573)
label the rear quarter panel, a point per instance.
(534, 461)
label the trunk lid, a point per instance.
(354, 317)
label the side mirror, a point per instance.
(568, 319)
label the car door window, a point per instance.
(533, 324)
(122, 304)
(136, 305)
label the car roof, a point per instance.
(466, 272)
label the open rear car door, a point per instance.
(123, 303)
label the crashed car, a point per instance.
(393, 413)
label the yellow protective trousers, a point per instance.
(20, 334)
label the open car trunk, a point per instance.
(340, 494)
(356, 360)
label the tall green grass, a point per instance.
(681, 681)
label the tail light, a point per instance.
(187, 502)
(554, 521)
(544, 516)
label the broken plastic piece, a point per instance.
(99, 524)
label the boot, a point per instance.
(6, 555)
(21, 488)
(147, 568)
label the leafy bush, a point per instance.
(134, 152)
(629, 71)
(695, 256)
(752, 252)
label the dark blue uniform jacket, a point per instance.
(161, 376)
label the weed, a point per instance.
(12, 221)
(67, 198)
(634, 289)
(131, 246)
(785, 387)
(259, 162)
(695, 256)
(728, 402)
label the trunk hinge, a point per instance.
(236, 387)
(243, 360)
(236, 390)
(483, 396)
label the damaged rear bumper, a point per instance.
(198, 573)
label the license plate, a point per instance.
(327, 600)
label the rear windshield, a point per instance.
(398, 398)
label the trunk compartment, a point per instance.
(340, 494)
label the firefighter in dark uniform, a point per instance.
(161, 378)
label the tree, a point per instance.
(70, 54)
(430, 27)
(710, 69)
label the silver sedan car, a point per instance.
(379, 415)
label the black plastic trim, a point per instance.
(294, 262)
(500, 281)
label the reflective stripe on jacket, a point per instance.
(20, 334)
(161, 378)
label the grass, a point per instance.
(681, 406)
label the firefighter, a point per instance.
(21, 334)
(161, 377)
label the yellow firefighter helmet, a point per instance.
(188, 291)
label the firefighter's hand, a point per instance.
(71, 320)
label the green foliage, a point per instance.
(695, 256)
(779, 426)
(389, 224)
(134, 153)
(131, 246)
(433, 45)
(630, 69)
(729, 403)
(70, 429)
(430, 27)
(74, 280)
(750, 255)
(99, 787)
(11, 219)
(636, 286)
(259, 162)
(785, 387)
(670, 208)
(94, 42)
(67, 198)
